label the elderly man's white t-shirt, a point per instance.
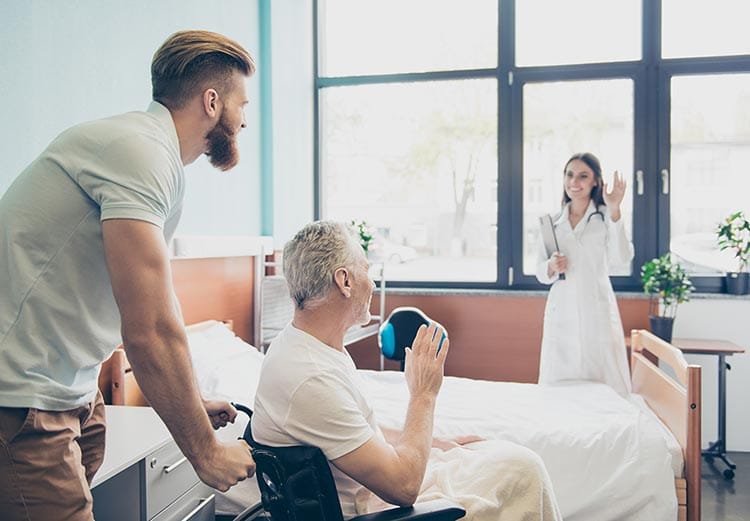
(309, 394)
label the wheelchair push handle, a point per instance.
(243, 408)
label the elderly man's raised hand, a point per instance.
(425, 360)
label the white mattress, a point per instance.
(608, 458)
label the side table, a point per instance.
(721, 349)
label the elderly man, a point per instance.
(309, 393)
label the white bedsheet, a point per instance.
(608, 458)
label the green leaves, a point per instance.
(365, 235)
(733, 233)
(667, 282)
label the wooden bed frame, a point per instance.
(675, 400)
(677, 404)
(117, 382)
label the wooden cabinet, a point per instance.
(144, 476)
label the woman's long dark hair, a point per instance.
(593, 163)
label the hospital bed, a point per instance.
(608, 457)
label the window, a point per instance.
(418, 162)
(445, 126)
(563, 118)
(406, 146)
(577, 31)
(692, 28)
(710, 158)
(365, 37)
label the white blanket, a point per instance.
(608, 460)
(606, 457)
(493, 480)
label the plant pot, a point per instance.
(737, 283)
(662, 327)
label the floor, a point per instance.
(724, 500)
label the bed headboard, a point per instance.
(116, 380)
(217, 287)
(676, 400)
(213, 277)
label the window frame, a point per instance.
(651, 76)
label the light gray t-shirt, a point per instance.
(310, 394)
(58, 317)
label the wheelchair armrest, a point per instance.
(436, 510)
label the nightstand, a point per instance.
(144, 476)
(720, 349)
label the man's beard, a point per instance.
(365, 316)
(222, 146)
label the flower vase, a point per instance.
(737, 283)
(662, 327)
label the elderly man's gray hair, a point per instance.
(312, 256)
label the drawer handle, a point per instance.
(201, 503)
(174, 465)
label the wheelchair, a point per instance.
(296, 484)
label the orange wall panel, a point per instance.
(492, 337)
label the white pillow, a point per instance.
(226, 367)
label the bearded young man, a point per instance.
(85, 265)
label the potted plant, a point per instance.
(362, 229)
(668, 285)
(733, 233)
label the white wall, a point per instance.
(721, 319)
(62, 63)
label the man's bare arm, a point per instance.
(392, 436)
(395, 471)
(154, 338)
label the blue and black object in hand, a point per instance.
(398, 332)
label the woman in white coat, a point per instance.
(583, 337)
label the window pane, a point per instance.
(551, 32)
(693, 28)
(710, 172)
(359, 37)
(418, 163)
(559, 120)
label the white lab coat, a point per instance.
(583, 337)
